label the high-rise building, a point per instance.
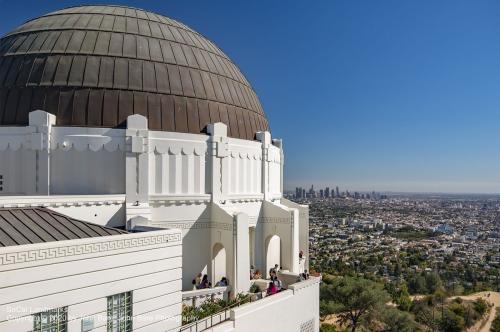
(337, 191)
(327, 192)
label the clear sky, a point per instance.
(384, 95)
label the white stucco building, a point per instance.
(118, 118)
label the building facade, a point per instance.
(128, 119)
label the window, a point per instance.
(120, 312)
(55, 320)
(1, 182)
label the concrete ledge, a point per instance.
(57, 200)
(304, 284)
(181, 198)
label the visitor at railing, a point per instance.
(204, 283)
(222, 283)
(252, 272)
(303, 276)
(275, 280)
(302, 262)
(274, 269)
(257, 275)
(198, 280)
(271, 289)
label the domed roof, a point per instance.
(93, 66)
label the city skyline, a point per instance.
(397, 96)
(440, 188)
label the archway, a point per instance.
(273, 252)
(218, 263)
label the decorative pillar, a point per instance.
(41, 123)
(265, 138)
(137, 167)
(219, 163)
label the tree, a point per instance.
(327, 308)
(403, 299)
(425, 315)
(354, 299)
(398, 321)
(452, 322)
(417, 285)
(433, 282)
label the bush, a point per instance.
(457, 308)
(209, 307)
(480, 306)
(398, 321)
(495, 326)
(254, 289)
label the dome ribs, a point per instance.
(96, 65)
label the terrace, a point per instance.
(236, 315)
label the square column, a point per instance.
(137, 167)
(265, 138)
(219, 163)
(42, 123)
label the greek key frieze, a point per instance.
(199, 225)
(27, 256)
(274, 220)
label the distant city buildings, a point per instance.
(327, 193)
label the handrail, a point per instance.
(224, 310)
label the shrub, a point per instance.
(480, 306)
(495, 325)
(254, 289)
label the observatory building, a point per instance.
(134, 156)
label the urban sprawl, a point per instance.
(404, 237)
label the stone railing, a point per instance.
(196, 297)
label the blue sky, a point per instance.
(382, 95)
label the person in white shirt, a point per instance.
(302, 262)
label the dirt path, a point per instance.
(494, 298)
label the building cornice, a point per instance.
(58, 201)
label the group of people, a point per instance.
(201, 282)
(275, 284)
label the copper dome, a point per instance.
(93, 66)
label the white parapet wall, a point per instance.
(81, 274)
(293, 310)
(197, 297)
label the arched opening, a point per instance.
(273, 252)
(218, 263)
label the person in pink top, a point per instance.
(272, 289)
